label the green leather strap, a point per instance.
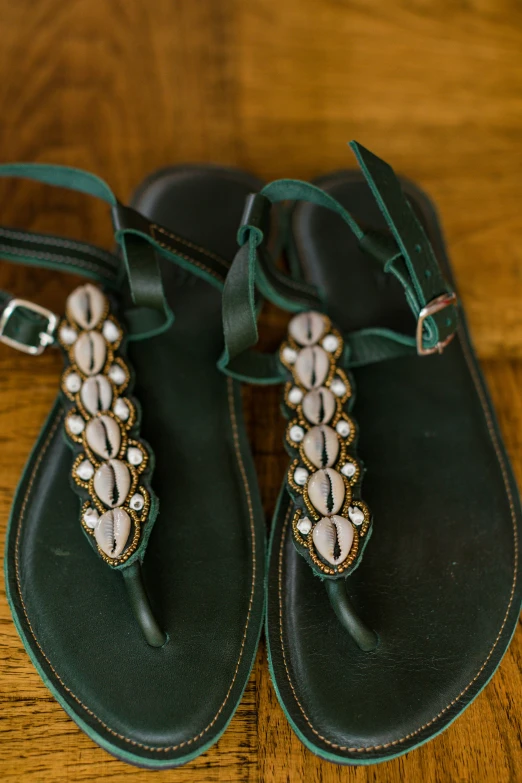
(141, 607)
(415, 265)
(364, 637)
(141, 263)
(141, 242)
(405, 252)
(64, 255)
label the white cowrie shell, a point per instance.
(319, 405)
(86, 306)
(96, 394)
(90, 351)
(103, 436)
(112, 482)
(307, 328)
(333, 539)
(326, 491)
(112, 532)
(321, 446)
(312, 366)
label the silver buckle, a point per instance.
(435, 306)
(46, 337)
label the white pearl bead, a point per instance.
(304, 526)
(343, 428)
(349, 469)
(73, 382)
(300, 476)
(91, 517)
(134, 455)
(121, 409)
(76, 424)
(68, 335)
(330, 343)
(295, 395)
(85, 470)
(338, 387)
(137, 502)
(117, 374)
(296, 433)
(356, 515)
(110, 331)
(289, 355)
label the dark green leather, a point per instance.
(204, 566)
(401, 250)
(440, 579)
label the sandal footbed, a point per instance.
(440, 579)
(204, 565)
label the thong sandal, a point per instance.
(379, 653)
(152, 665)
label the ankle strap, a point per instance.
(141, 240)
(404, 252)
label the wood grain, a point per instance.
(124, 86)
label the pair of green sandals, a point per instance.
(370, 656)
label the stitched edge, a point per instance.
(193, 246)
(494, 439)
(192, 261)
(98, 252)
(156, 749)
(52, 257)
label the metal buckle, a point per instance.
(46, 337)
(435, 306)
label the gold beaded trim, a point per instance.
(289, 351)
(73, 378)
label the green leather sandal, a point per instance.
(151, 662)
(372, 656)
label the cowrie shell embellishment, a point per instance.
(333, 539)
(86, 305)
(90, 351)
(110, 458)
(112, 531)
(103, 436)
(329, 519)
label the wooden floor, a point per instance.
(124, 86)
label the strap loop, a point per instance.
(404, 252)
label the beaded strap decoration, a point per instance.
(111, 461)
(331, 524)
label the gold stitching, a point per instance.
(243, 641)
(467, 355)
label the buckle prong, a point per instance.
(433, 307)
(46, 337)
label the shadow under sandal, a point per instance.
(372, 656)
(145, 633)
